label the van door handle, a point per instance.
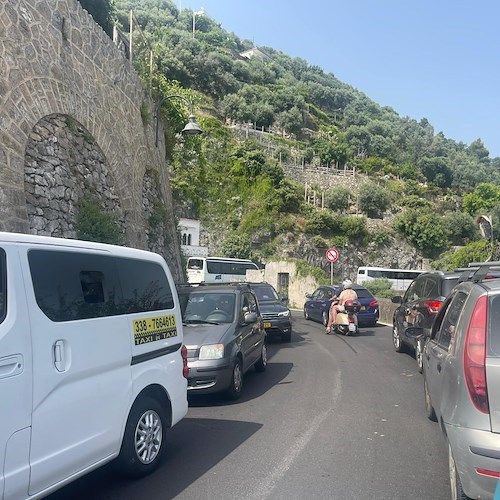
(438, 367)
(11, 365)
(58, 354)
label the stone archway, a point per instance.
(63, 162)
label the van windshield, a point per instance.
(195, 264)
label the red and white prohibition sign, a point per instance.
(332, 254)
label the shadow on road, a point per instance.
(254, 386)
(194, 446)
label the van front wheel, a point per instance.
(143, 441)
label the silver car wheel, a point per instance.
(263, 355)
(148, 437)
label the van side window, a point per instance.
(145, 286)
(79, 285)
(75, 285)
(3, 285)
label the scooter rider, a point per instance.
(338, 302)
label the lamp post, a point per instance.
(196, 13)
(485, 224)
(191, 127)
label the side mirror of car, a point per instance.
(250, 317)
(397, 299)
(308, 295)
(415, 332)
(284, 300)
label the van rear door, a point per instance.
(15, 378)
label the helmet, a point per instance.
(347, 283)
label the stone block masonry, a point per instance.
(70, 123)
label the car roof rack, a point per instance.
(477, 271)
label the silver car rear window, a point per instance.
(494, 326)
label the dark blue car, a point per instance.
(317, 305)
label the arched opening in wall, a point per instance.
(66, 173)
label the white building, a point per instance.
(190, 238)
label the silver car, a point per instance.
(462, 381)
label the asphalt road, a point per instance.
(331, 418)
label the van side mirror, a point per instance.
(308, 295)
(415, 332)
(397, 299)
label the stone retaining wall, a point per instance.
(73, 119)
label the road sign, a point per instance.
(332, 254)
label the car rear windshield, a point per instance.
(264, 293)
(448, 285)
(494, 327)
(363, 293)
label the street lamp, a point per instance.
(197, 13)
(485, 224)
(191, 127)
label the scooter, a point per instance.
(347, 322)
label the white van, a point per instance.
(92, 365)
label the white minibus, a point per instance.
(399, 278)
(92, 362)
(217, 269)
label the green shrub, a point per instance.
(381, 236)
(319, 242)
(92, 224)
(414, 201)
(373, 200)
(423, 229)
(304, 269)
(354, 228)
(477, 251)
(380, 287)
(236, 246)
(322, 222)
(338, 199)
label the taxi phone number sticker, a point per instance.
(153, 329)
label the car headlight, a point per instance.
(284, 314)
(213, 351)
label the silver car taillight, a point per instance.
(475, 355)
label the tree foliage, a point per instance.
(373, 200)
(103, 12)
(424, 229)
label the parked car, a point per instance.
(317, 305)
(462, 382)
(224, 336)
(418, 308)
(274, 311)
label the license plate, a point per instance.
(153, 329)
(267, 325)
(363, 308)
(352, 327)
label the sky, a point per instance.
(434, 59)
